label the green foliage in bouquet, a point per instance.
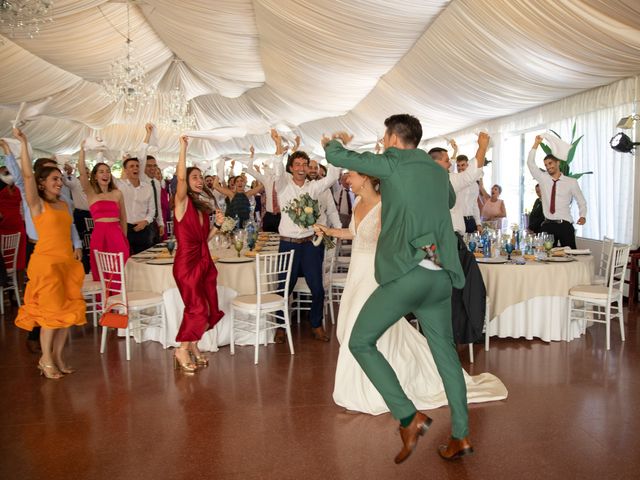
(565, 165)
(303, 211)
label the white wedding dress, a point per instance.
(402, 345)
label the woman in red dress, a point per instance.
(11, 219)
(193, 269)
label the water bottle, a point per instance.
(486, 247)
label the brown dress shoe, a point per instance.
(319, 334)
(418, 426)
(455, 448)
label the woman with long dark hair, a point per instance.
(193, 269)
(106, 205)
(53, 298)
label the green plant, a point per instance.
(565, 164)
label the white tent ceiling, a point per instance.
(321, 65)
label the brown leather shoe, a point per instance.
(418, 426)
(319, 334)
(281, 335)
(455, 448)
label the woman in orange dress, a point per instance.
(53, 298)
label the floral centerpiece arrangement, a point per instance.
(304, 212)
(228, 225)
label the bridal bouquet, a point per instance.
(304, 212)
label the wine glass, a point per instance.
(508, 247)
(171, 245)
(251, 240)
(548, 243)
(472, 245)
(238, 242)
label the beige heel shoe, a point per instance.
(49, 371)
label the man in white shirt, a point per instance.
(148, 167)
(307, 259)
(344, 199)
(139, 204)
(328, 212)
(558, 191)
(468, 199)
(462, 180)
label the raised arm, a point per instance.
(255, 190)
(483, 146)
(380, 166)
(454, 145)
(142, 154)
(82, 169)
(181, 175)
(13, 167)
(30, 187)
(224, 190)
(531, 161)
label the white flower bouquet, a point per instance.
(228, 225)
(304, 212)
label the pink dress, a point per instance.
(106, 236)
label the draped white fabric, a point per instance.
(321, 65)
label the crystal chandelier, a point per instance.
(176, 112)
(23, 18)
(128, 80)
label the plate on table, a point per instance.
(558, 259)
(579, 251)
(161, 261)
(235, 260)
(494, 260)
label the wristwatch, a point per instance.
(217, 226)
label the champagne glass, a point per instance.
(171, 245)
(548, 243)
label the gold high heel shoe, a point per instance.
(200, 359)
(49, 371)
(186, 367)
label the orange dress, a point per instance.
(53, 297)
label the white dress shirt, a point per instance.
(468, 197)
(567, 189)
(138, 201)
(288, 190)
(154, 182)
(268, 181)
(328, 212)
(460, 181)
(77, 192)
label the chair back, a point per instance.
(112, 279)
(88, 221)
(86, 241)
(605, 257)
(618, 270)
(10, 246)
(270, 270)
(169, 226)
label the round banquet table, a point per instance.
(233, 279)
(531, 300)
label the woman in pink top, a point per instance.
(493, 209)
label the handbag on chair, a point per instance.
(113, 319)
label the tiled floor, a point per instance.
(572, 412)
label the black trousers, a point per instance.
(81, 226)
(271, 222)
(140, 241)
(564, 234)
(470, 225)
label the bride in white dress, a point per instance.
(403, 346)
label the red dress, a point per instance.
(196, 276)
(13, 222)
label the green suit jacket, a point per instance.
(416, 198)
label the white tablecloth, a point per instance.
(531, 300)
(233, 279)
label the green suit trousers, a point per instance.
(426, 293)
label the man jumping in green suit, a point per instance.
(416, 265)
